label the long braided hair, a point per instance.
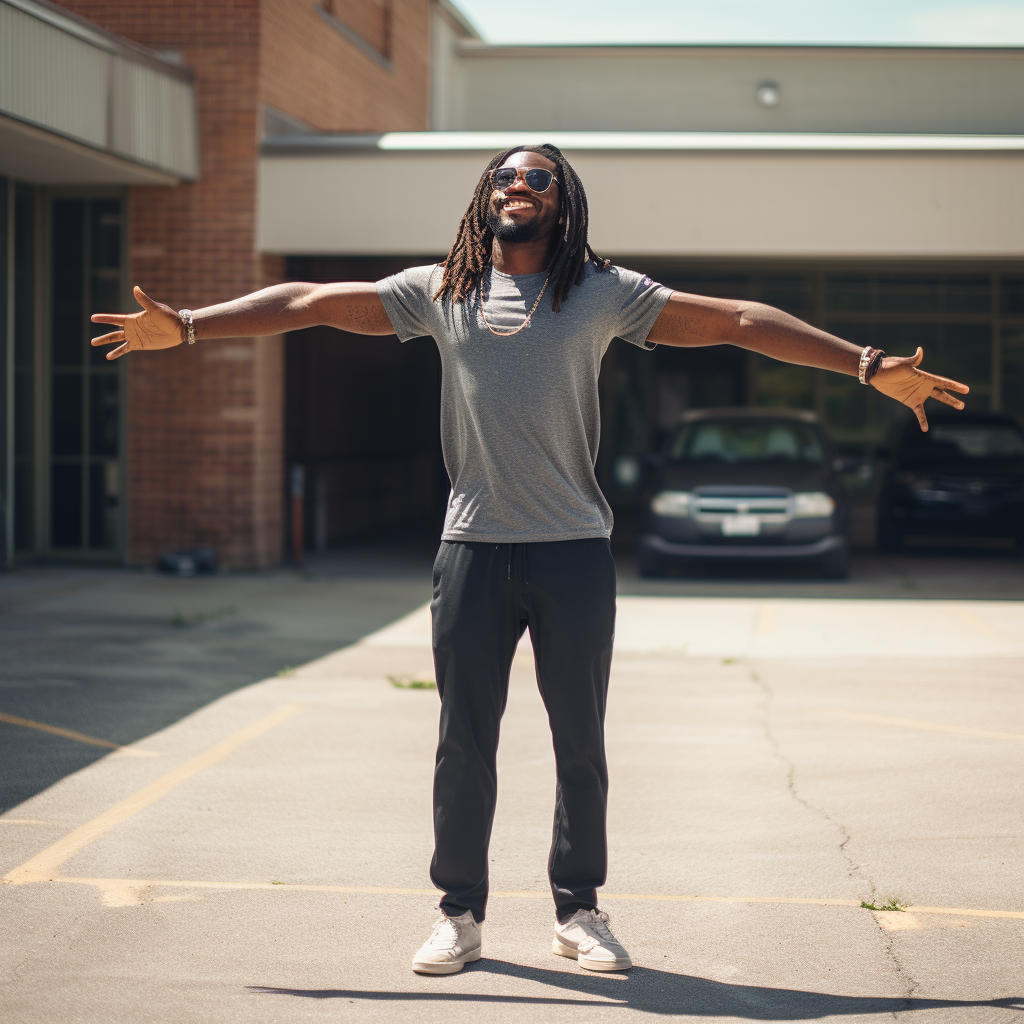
(470, 256)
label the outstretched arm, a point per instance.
(354, 307)
(696, 320)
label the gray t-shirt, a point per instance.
(520, 416)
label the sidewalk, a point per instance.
(773, 763)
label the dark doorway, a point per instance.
(362, 417)
(84, 429)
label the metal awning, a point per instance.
(640, 142)
(78, 105)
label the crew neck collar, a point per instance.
(516, 277)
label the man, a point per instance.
(522, 311)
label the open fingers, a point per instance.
(948, 399)
(117, 352)
(109, 339)
(951, 385)
(918, 412)
(109, 318)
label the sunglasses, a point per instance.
(537, 179)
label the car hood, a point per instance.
(793, 476)
(973, 469)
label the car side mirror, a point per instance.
(626, 471)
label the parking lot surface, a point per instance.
(253, 841)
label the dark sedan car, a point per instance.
(963, 478)
(746, 483)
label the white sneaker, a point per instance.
(587, 938)
(455, 941)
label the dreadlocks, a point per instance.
(470, 256)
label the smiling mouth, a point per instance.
(514, 205)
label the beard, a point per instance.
(511, 231)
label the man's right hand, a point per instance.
(157, 326)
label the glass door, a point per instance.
(87, 269)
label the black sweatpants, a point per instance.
(485, 595)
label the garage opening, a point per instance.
(362, 419)
(362, 413)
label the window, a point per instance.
(746, 441)
(85, 407)
(369, 20)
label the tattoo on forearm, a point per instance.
(686, 325)
(372, 318)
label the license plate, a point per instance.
(741, 526)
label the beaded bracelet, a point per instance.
(870, 363)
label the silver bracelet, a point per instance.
(190, 328)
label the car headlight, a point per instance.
(672, 503)
(813, 505)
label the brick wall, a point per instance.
(314, 73)
(205, 424)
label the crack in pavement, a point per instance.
(853, 869)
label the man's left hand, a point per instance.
(899, 378)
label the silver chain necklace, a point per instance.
(501, 332)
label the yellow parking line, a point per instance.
(115, 884)
(910, 723)
(968, 618)
(765, 620)
(70, 734)
(43, 866)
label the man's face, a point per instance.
(518, 214)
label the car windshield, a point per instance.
(965, 441)
(747, 440)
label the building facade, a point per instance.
(127, 460)
(876, 192)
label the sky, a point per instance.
(908, 22)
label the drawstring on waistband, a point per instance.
(508, 562)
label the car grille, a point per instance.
(769, 508)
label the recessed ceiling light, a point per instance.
(768, 94)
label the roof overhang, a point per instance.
(80, 106)
(641, 142)
(663, 193)
(43, 157)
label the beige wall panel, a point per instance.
(364, 204)
(685, 204)
(701, 88)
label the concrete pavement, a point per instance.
(120, 654)
(775, 760)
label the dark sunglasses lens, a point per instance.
(503, 177)
(538, 179)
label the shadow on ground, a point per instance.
(658, 992)
(118, 654)
(921, 574)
